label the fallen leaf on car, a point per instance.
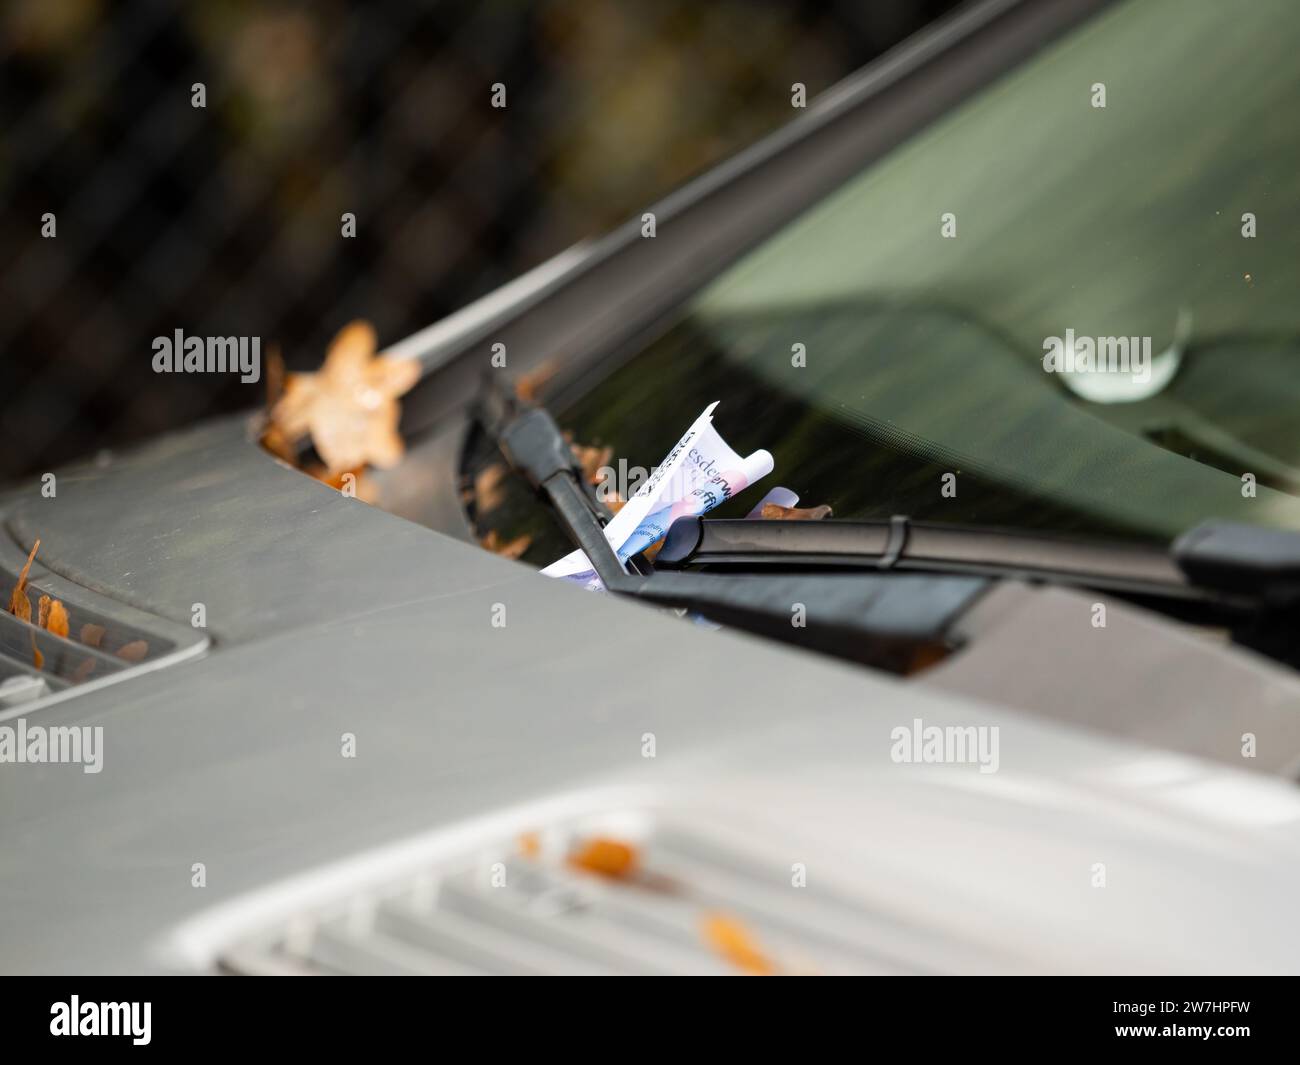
(776, 512)
(529, 386)
(349, 407)
(352, 483)
(733, 941)
(52, 615)
(279, 445)
(592, 460)
(606, 857)
(19, 605)
(56, 620)
(489, 487)
(274, 376)
(133, 651)
(506, 549)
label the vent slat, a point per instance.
(480, 946)
(376, 954)
(444, 917)
(681, 919)
(807, 916)
(582, 933)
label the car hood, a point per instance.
(474, 688)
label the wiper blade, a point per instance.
(901, 544)
(883, 616)
(1231, 564)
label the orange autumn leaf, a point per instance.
(56, 620)
(733, 941)
(776, 512)
(279, 445)
(51, 615)
(349, 407)
(606, 857)
(19, 605)
(489, 487)
(352, 483)
(274, 376)
(592, 460)
(530, 385)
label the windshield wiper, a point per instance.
(889, 620)
(1219, 570)
(1229, 563)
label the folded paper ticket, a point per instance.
(700, 472)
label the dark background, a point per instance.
(226, 220)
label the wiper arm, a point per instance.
(535, 447)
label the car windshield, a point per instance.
(1133, 192)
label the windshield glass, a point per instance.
(1087, 313)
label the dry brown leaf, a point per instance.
(529, 386)
(19, 605)
(733, 941)
(133, 651)
(57, 619)
(52, 615)
(92, 635)
(776, 512)
(607, 857)
(591, 459)
(361, 487)
(278, 445)
(513, 549)
(349, 407)
(489, 491)
(274, 375)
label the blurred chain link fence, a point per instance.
(225, 220)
